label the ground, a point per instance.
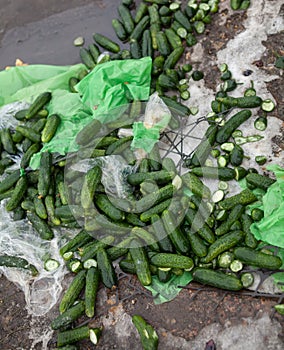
(196, 315)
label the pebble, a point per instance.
(79, 41)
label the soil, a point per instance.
(194, 308)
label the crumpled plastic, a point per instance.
(156, 118)
(270, 228)
(167, 291)
(113, 83)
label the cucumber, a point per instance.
(90, 183)
(106, 43)
(146, 236)
(140, 28)
(119, 146)
(153, 11)
(90, 250)
(134, 220)
(166, 83)
(38, 104)
(21, 115)
(202, 151)
(148, 336)
(163, 275)
(72, 82)
(260, 181)
(87, 134)
(158, 65)
(216, 279)
(141, 263)
(231, 125)
(141, 11)
(80, 239)
(172, 261)
(18, 262)
(173, 57)
(240, 102)
(234, 215)
(176, 107)
(237, 156)
(73, 335)
(68, 316)
(126, 18)
(107, 272)
(157, 209)
(244, 197)
(180, 17)
(246, 222)
(44, 177)
(40, 208)
(25, 160)
(50, 208)
(18, 194)
(198, 224)
(127, 266)
(119, 29)
(146, 202)
(105, 205)
(253, 257)
(91, 288)
(222, 244)
(50, 128)
(7, 141)
(135, 49)
(161, 234)
(173, 39)
(116, 252)
(196, 185)
(73, 291)
(175, 234)
(197, 245)
(86, 58)
(29, 133)
(221, 173)
(40, 226)
(146, 45)
(163, 44)
(161, 177)
(94, 51)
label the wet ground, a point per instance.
(43, 32)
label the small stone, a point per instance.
(79, 41)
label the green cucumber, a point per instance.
(140, 28)
(88, 133)
(18, 262)
(50, 208)
(176, 107)
(38, 104)
(222, 244)
(148, 336)
(40, 226)
(106, 43)
(234, 215)
(18, 194)
(197, 245)
(161, 234)
(174, 232)
(25, 161)
(157, 209)
(246, 222)
(80, 239)
(107, 272)
(91, 288)
(119, 146)
(76, 334)
(86, 58)
(126, 18)
(173, 58)
(44, 177)
(141, 11)
(146, 236)
(90, 250)
(40, 207)
(7, 141)
(231, 125)
(135, 49)
(237, 156)
(105, 205)
(183, 20)
(260, 181)
(161, 177)
(73, 291)
(253, 257)
(240, 102)
(90, 183)
(173, 39)
(196, 185)
(68, 316)
(141, 262)
(50, 128)
(146, 45)
(199, 225)
(29, 133)
(172, 261)
(221, 173)
(216, 279)
(163, 44)
(244, 197)
(119, 29)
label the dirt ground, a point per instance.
(194, 308)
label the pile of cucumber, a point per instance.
(169, 223)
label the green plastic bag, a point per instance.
(270, 228)
(113, 83)
(164, 292)
(26, 82)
